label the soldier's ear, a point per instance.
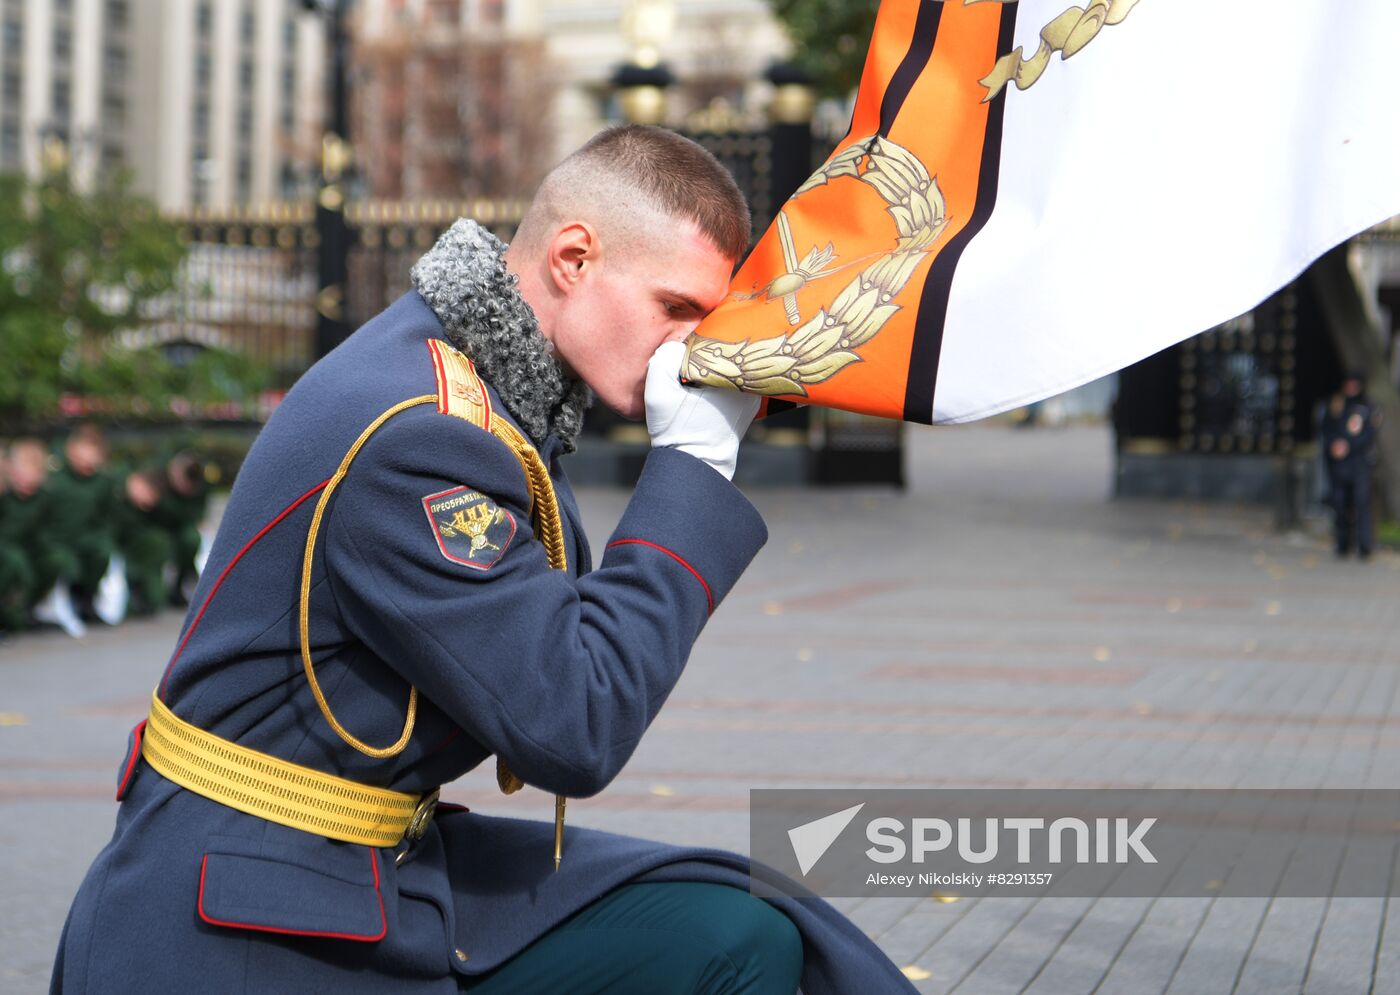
(572, 253)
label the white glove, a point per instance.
(706, 422)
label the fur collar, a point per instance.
(465, 281)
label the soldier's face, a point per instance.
(631, 299)
(85, 456)
(28, 470)
(141, 492)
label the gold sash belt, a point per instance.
(279, 791)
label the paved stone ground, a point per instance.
(1001, 623)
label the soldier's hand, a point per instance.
(706, 422)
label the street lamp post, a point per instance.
(332, 231)
(641, 92)
(790, 127)
(641, 83)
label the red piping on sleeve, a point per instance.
(383, 920)
(709, 596)
(131, 760)
(223, 576)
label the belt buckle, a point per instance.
(418, 825)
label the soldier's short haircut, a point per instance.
(623, 169)
(16, 450)
(27, 442)
(88, 432)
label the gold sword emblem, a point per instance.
(809, 267)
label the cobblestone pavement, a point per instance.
(1002, 623)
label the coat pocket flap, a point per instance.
(249, 890)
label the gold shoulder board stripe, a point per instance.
(460, 391)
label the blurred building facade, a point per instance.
(216, 103)
(481, 97)
(717, 51)
(445, 102)
(207, 102)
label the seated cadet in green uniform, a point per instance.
(180, 512)
(33, 523)
(143, 541)
(16, 575)
(85, 498)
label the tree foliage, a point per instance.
(831, 38)
(76, 271)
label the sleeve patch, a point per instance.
(469, 527)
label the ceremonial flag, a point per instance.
(1033, 195)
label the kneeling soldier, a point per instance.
(34, 525)
(143, 541)
(85, 496)
(16, 573)
(183, 502)
(401, 587)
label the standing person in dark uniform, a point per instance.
(1349, 429)
(84, 496)
(400, 587)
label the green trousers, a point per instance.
(16, 581)
(51, 562)
(93, 553)
(185, 543)
(147, 550)
(663, 938)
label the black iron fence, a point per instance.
(248, 285)
(250, 277)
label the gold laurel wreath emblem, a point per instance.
(827, 342)
(785, 364)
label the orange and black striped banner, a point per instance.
(842, 301)
(1034, 194)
